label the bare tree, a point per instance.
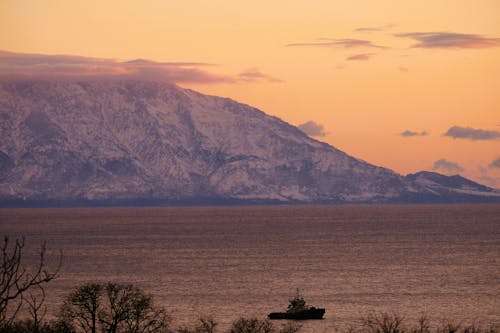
(119, 305)
(383, 323)
(81, 307)
(128, 309)
(16, 279)
(144, 318)
(113, 308)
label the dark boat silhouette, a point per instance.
(298, 310)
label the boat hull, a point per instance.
(299, 315)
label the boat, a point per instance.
(298, 310)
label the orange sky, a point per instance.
(296, 58)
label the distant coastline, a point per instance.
(223, 202)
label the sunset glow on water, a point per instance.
(440, 261)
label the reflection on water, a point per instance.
(228, 262)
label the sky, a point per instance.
(408, 85)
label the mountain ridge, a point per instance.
(138, 142)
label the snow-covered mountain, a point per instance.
(141, 142)
(434, 187)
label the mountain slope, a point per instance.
(455, 188)
(134, 141)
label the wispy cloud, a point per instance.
(362, 56)
(432, 40)
(469, 133)
(447, 166)
(23, 65)
(341, 43)
(484, 176)
(409, 133)
(254, 74)
(495, 164)
(375, 29)
(312, 128)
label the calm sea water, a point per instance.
(439, 260)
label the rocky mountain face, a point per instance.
(137, 142)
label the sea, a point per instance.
(439, 261)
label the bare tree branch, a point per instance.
(16, 279)
(36, 308)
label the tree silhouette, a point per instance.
(81, 307)
(36, 308)
(16, 280)
(113, 308)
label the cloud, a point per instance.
(495, 164)
(253, 75)
(24, 65)
(343, 43)
(447, 166)
(434, 40)
(375, 29)
(312, 129)
(474, 134)
(403, 69)
(362, 56)
(485, 178)
(408, 133)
